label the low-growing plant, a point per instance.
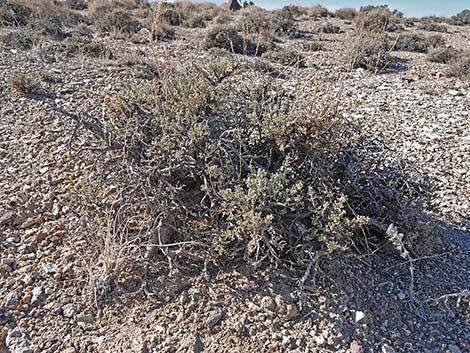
(240, 168)
(227, 37)
(117, 21)
(161, 31)
(318, 11)
(445, 55)
(460, 67)
(462, 18)
(433, 27)
(20, 39)
(312, 46)
(196, 21)
(23, 83)
(371, 52)
(373, 20)
(286, 56)
(414, 42)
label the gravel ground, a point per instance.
(361, 303)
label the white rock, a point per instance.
(387, 349)
(358, 316)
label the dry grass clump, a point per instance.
(23, 83)
(195, 21)
(433, 27)
(171, 17)
(163, 32)
(445, 55)
(77, 4)
(460, 67)
(23, 12)
(371, 52)
(348, 14)
(418, 43)
(286, 56)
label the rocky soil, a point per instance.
(49, 301)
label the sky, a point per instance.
(411, 8)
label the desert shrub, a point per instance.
(22, 12)
(433, 27)
(75, 46)
(23, 83)
(239, 168)
(255, 20)
(20, 39)
(312, 46)
(373, 20)
(417, 43)
(329, 28)
(318, 11)
(227, 37)
(52, 26)
(171, 17)
(462, 18)
(283, 23)
(346, 14)
(295, 10)
(161, 31)
(77, 4)
(460, 67)
(196, 21)
(445, 55)
(117, 21)
(224, 18)
(289, 57)
(371, 52)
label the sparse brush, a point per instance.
(417, 43)
(348, 14)
(289, 57)
(117, 21)
(445, 55)
(239, 168)
(318, 11)
(23, 83)
(371, 52)
(329, 28)
(460, 67)
(462, 18)
(312, 46)
(227, 37)
(374, 20)
(20, 39)
(433, 27)
(196, 21)
(163, 32)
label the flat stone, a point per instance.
(454, 348)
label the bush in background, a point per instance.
(371, 52)
(445, 55)
(346, 14)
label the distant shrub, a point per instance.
(371, 52)
(22, 12)
(255, 20)
(312, 46)
(460, 67)
(283, 23)
(329, 28)
(433, 27)
(224, 18)
(162, 32)
(417, 43)
(373, 20)
(445, 55)
(462, 18)
(171, 17)
(346, 14)
(227, 37)
(196, 21)
(117, 21)
(318, 11)
(288, 57)
(77, 4)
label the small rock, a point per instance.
(214, 318)
(401, 296)
(6, 217)
(49, 268)
(184, 298)
(454, 348)
(17, 342)
(5, 270)
(387, 349)
(355, 347)
(36, 295)
(5, 317)
(454, 92)
(85, 318)
(268, 303)
(11, 299)
(292, 311)
(358, 316)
